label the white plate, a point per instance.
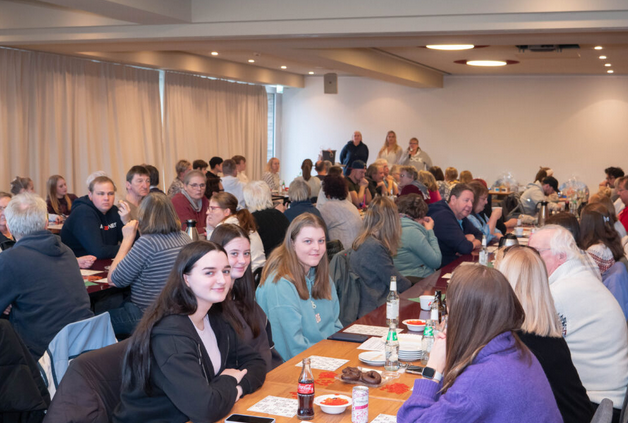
(373, 358)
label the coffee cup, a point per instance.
(519, 231)
(426, 302)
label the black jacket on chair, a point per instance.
(23, 394)
(184, 385)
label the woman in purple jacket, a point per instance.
(481, 371)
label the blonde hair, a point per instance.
(525, 270)
(51, 187)
(385, 148)
(381, 221)
(284, 262)
(465, 177)
(269, 168)
(427, 179)
(451, 174)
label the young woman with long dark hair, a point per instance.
(256, 327)
(599, 238)
(480, 371)
(184, 362)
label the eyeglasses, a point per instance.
(213, 208)
(196, 186)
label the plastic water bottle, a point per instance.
(484, 252)
(392, 349)
(427, 342)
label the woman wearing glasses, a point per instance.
(542, 331)
(191, 202)
(223, 208)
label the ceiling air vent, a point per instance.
(546, 48)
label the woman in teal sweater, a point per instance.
(419, 253)
(296, 292)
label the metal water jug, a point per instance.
(191, 230)
(543, 214)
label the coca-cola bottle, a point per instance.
(305, 392)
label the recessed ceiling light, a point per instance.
(486, 63)
(284, 67)
(450, 46)
(214, 53)
(610, 71)
(251, 61)
(311, 73)
(598, 47)
(602, 57)
(608, 65)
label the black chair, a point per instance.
(604, 412)
(90, 389)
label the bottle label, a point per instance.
(429, 331)
(392, 310)
(305, 388)
(434, 314)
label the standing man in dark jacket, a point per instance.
(455, 234)
(95, 225)
(354, 150)
(41, 285)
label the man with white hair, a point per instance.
(41, 279)
(594, 325)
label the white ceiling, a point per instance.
(348, 38)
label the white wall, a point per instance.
(489, 125)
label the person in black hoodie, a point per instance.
(95, 225)
(455, 234)
(41, 279)
(185, 362)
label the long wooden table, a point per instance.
(282, 381)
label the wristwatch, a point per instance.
(429, 373)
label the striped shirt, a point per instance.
(147, 266)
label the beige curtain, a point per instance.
(205, 118)
(69, 116)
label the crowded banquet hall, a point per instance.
(260, 212)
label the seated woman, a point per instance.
(606, 201)
(372, 258)
(58, 200)
(256, 326)
(184, 362)
(443, 187)
(408, 183)
(191, 202)
(145, 265)
(418, 254)
(481, 371)
(20, 185)
(427, 179)
(299, 195)
(296, 292)
(6, 239)
(480, 220)
(223, 209)
(599, 238)
(542, 331)
(271, 223)
(466, 177)
(271, 176)
(341, 217)
(313, 183)
(451, 176)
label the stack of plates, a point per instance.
(373, 358)
(409, 351)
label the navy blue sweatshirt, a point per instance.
(88, 231)
(351, 153)
(451, 237)
(41, 278)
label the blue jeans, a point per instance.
(124, 319)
